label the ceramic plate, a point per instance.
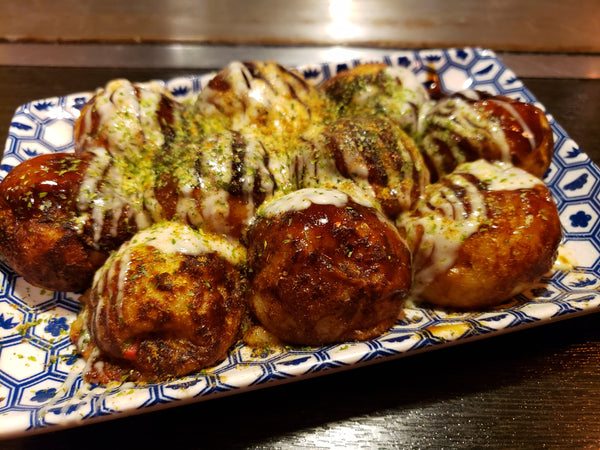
(40, 383)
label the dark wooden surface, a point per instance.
(529, 389)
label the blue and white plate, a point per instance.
(40, 383)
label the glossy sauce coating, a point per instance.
(259, 130)
(376, 154)
(481, 235)
(309, 178)
(41, 235)
(166, 304)
(127, 128)
(471, 125)
(326, 272)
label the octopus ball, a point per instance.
(127, 115)
(325, 267)
(166, 304)
(394, 92)
(41, 237)
(472, 125)
(481, 235)
(378, 155)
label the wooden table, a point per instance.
(533, 388)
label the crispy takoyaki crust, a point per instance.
(469, 126)
(326, 273)
(40, 236)
(474, 246)
(527, 132)
(161, 308)
(377, 154)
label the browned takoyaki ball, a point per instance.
(62, 214)
(264, 95)
(481, 235)
(527, 132)
(41, 237)
(325, 268)
(127, 117)
(377, 89)
(473, 125)
(377, 155)
(168, 303)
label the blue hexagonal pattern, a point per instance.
(40, 385)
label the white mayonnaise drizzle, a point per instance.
(445, 227)
(500, 175)
(302, 199)
(445, 219)
(409, 81)
(177, 238)
(120, 177)
(439, 118)
(274, 98)
(527, 132)
(169, 238)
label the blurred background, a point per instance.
(508, 26)
(78, 45)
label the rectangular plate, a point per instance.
(40, 383)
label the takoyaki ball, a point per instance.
(129, 128)
(167, 303)
(126, 118)
(472, 125)
(265, 95)
(218, 183)
(376, 154)
(41, 235)
(325, 267)
(371, 89)
(481, 235)
(527, 133)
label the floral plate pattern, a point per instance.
(40, 384)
